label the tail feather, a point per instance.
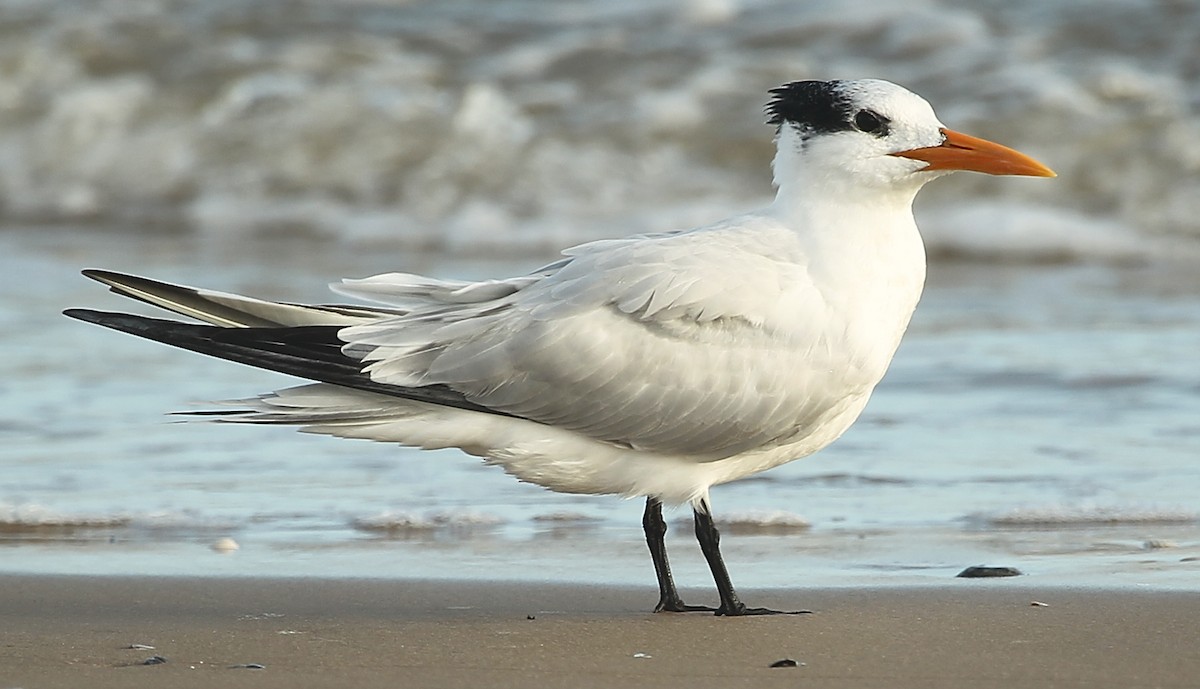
(231, 310)
(313, 352)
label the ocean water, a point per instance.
(1043, 412)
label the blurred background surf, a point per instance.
(1044, 411)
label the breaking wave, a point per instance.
(481, 126)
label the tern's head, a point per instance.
(874, 134)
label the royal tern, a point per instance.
(654, 366)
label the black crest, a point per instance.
(813, 106)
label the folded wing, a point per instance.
(692, 343)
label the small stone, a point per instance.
(225, 545)
(140, 647)
(1039, 604)
(248, 666)
(785, 662)
(530, 617)
(154, 660)
(642, 655)
(981, 572)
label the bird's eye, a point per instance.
(870, 122)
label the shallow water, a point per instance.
(1043, 412)
(1043, 416)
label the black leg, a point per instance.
(710, 541)
(656, 528)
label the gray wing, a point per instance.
(693, 344)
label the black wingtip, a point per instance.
(124, 322)
(99, 274)
(311, 351)
(86, 315)
(105, 277)
(114, 281)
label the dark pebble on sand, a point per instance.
(248, 666)
(154, 660)
(786, 662)
(979, 572)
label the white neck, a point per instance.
(805, 189)
(858, 236)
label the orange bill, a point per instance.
(962, 152)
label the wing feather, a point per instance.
(678, 343)
(231, 310)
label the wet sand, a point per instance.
(77, 632)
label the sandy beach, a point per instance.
(78, 632)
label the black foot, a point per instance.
(741, 610)
(676, 605)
